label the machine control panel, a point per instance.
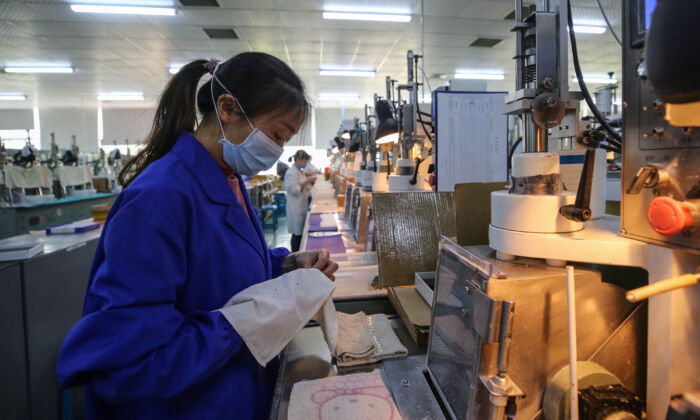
(660, 162)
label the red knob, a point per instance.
(668, 216)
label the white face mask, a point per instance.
(256, 153)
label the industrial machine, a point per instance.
(537, 218)
(406, 176)
(498, 341)
(43, 188)
(661, 159)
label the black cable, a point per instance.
(512, 151)
(615, 138)
(605, 17)
(422, 123)
(426, 114)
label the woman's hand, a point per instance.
(311, 259)
(309, 181)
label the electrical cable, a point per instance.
(614, 138)
(605, 17)
(422, 123)
(512, 151)
(427, 80)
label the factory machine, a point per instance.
(43, 188)
(510, 324)
(412, 144)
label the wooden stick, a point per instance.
(662, 286)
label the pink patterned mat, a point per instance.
(359, 396)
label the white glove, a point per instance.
(269, 314)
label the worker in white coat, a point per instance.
(298, 187)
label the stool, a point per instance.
(281, 203)
(261, 215)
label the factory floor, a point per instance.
(280, 236)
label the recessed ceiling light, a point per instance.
(24, 69)
(121, 96)
(346, 71)
(589, 29)
(123, 10)
(366, 13)
(12, 97)
(479, 76)
(596, 79)
(338, 96)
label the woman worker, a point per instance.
(298, 187)
(180, 240)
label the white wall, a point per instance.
(120, 124)
(66, 122)
(328, 121)
(16, 119)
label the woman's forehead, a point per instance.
(291, 120)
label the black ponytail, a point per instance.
(176, 112)
(260, 82)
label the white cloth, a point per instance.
(70, 176)
(386, 344)
(354, 340)
(269, 314)
(34, 177)
(297, 200)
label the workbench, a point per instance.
(307, 358)
(41, 298)
(20, 219)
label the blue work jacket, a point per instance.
(176, 246)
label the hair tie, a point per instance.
(211, 65)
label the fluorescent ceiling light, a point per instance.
(123, 10)
(364, 9)
(480, 76)
(340, 71)
(369, 14)
(390, 138)
(596, 79)
(12, 97)
(338, 96)
(121, 96)
(589, 29)
(174, 69)
(38, 69)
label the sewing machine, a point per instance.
(46, 188)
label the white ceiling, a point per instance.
(133, 53)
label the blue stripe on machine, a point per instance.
(571, 159)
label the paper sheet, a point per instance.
(472, 138)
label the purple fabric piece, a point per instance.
(315, 224)
(334, 243)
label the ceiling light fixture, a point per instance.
(12, 97)
(596, 79)
(480, 76)
(340, 71)
(24, 69)
(123, 10)
(174, 69)
(589, 29)
(367, 14)
(121, 96)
